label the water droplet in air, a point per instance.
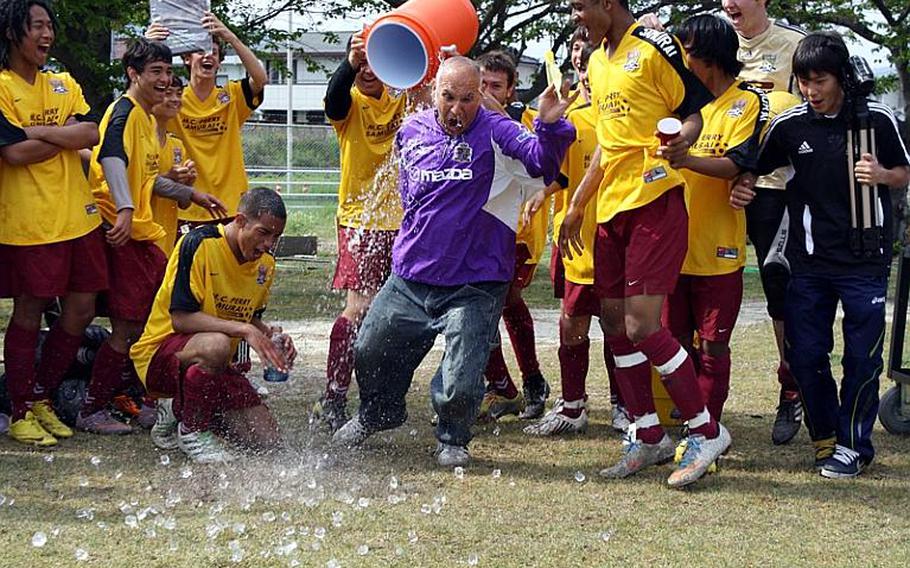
(363, 502)
(393, 483)
(81, 554)
(606, 535)
(319, 532)
(459, 472)
(49, 458)
(580, 477)
(337, 517)
(165, 460)
(186, 473)
(497, 473)
(96, 461)
(363, 550)
(39, 539)
(131, 521)
(412, 536)
(333, 564)
(473, 559)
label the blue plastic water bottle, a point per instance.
(271, 374)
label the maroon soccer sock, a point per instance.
(520, 326)
(633, 376)
(610, 363)
(573, 368)
(57, 354)
(195, 405)
(497, 374)
(107, 378)
(340, 364)
(19, 346)
(714, 382)
(678, 374)
(787, 381)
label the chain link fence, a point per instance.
(311, 177)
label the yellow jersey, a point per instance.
(164, 211)
(732, 127)
(128, 133)
(368, 189)
(49, 201)
(644, 80)
(580, 269)
(534, 235)
(203, 275)
(211, 131)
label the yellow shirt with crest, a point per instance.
(50, 201)
(211, 130)
(368, 189)
(203, 275)
(165, 211)
(644, 80)
(732, 128)
(580, 269)
(129, 133)
(534, 235)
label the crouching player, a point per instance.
(214, 293)
(828, 265)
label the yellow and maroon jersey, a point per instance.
(368, 190)
(211, 131)
(534, 235)
(580, 269)
(203, 275)
(165, 211)
(732, 128)
(49, 201)
(644, 80)
(129, 133)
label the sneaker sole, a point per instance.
(828, 474)
(42, 443)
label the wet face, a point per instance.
(170, 106)
(594, 15)
(204, 65)
(746, 15)
(38, 39)
(256, 237)
(367, 82)
(457, 98)
(152, 84)
(577, 48)
(822, 91)
(496, 84)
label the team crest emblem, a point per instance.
(263, 272)
(632, 61)
(463, 153)
(738, 108)
(224, 98)
(58, 87)
(768, 63)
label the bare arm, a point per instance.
(74, 135)
(570, 232)
(29, 152)
(254, 69)
(258, 338)
(723, 168)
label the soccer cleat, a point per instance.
(681, 451)
(536, 391)
(844, 464)
(203, 447)
(494, 406)
(332, 414)
(449, 455)
(637, 455)
(148, 415)
(48, 419)
(556, 422)
(788, 420)
(619, 418)
(824, 449)
(101, 422)
(29, 431)
(699, 455)
(164, 431)
(351, 434)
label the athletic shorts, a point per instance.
(136, 270)
(364, 259)
(52, 270)
(577, 299)
(708, 305)
(524, 273)
(641, 251)
(164, 378)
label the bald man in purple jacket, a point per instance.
(464, 172)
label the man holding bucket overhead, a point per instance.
(453, 258)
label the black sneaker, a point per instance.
(788, 420)
(536, 390)
(845, 463)
(333, 414)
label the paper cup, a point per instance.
(668, 129)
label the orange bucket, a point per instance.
(405, 46)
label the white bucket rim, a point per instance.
(410, 30)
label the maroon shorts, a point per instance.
(708, 305)
(164, 378)
(524, 273)
(136, 270)
(51, 270)
(364, 259)
(577, 299)
(641, 251)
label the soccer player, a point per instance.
(454, 257)
(638, 77)
(709, 291)
(828, 265)
(214, 293)
(573, 283)
(365, 115)
(50, 234)
(212, 116)
(498, 81)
